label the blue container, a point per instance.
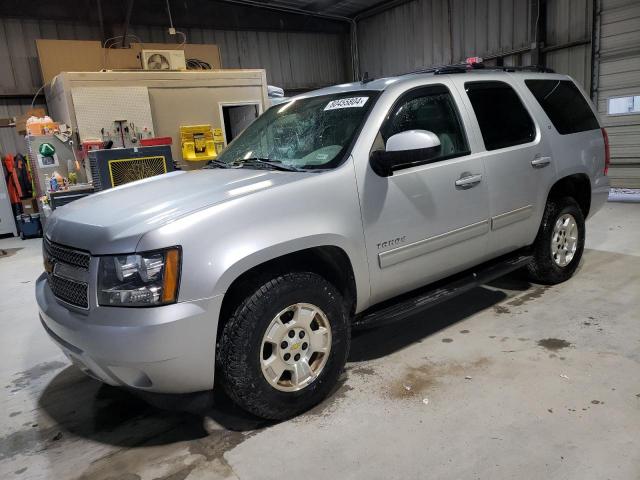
(29, 225)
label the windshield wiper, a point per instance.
(217, 164)
(268, 162)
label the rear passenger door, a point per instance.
(517, 158)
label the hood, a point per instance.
(113, 221)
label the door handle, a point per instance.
(468, 181)
(540, 162)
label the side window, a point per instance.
(504, 121)
(432, 109)
(564, 105)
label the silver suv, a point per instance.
(350, 206)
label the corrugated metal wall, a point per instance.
(10, 141)
(570, 21)
(431, 32)
(292, 60)
(619, 75)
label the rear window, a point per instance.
(503, 119)
(565, 106)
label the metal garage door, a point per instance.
(618, 89)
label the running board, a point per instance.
(414, 302)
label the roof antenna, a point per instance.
(366, 79)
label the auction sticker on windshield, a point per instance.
(347, 103)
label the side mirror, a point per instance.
(404, 150)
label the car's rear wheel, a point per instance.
(283, 348)
(558, 247)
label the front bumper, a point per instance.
(168, 349)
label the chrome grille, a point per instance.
(68, 255)
(69, 291)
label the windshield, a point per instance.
(309, 133)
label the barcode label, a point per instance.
(351, 102)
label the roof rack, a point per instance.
(523, 68)
(465, 67)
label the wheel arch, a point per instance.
(577, 186)
(329, 261)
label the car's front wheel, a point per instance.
(284, 346)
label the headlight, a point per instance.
(139, 280)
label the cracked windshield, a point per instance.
(305, 134)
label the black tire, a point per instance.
(240, 345)
(543, 269)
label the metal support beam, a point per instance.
(127, 21)
(278, 8)
(539, 30)
(100, 21)
(561, 46)
(595, 49)
(379, 8)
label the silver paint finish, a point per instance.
(172, 345)
(428, 245)
(507, 218)
(229, 221)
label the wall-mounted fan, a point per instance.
(163, 60)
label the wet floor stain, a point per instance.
(418, 380)
(21, 470)
(447, 340)
(24, 379)
(205, 455)
(9, 252)
(553, 344)
(367, 371)
(26, 442)
(527, 297)
(14, 414)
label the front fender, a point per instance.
(224, 241)
(242, 262)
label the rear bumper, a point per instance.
(169, 349)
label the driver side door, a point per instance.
(425, 221)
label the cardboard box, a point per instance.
(68, 56)
(21, 121)
(57, 56)
(29, 205)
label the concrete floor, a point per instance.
(511, 380)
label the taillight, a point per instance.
(607, 152)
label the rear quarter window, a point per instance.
(565, 106)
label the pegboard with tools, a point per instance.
(119, 114)
(125, 134)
